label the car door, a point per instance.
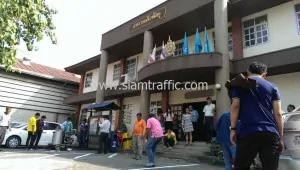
(47, 134)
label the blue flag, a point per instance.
(185, 48)
(198, 44)
(207, 48)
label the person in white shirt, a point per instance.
(104, 134)
(209, 113)
(4, 123)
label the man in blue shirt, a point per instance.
(259, 110)
(195, 117)
(223, 137)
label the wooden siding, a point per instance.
(28, 95)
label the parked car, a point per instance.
(17, 124)
(18, 135)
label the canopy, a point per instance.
(106, 106)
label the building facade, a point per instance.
(36, 88)
(240, 33)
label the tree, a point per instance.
(23, 20)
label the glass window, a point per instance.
(117, 72)
(50, 126)
(131, 67)
(154, 106)
(178, 50)
(297, 9)
(256, 31)
(88, 80)
(157, 55)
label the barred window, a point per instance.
(117, 72)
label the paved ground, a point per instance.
(20, 159)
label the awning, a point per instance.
(106, 106)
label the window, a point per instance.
(256, 31)
(230, 42)
(130, 67)
(88, 80)
(178, 50)
(157, 55)
(50, 126)
(117, 72)
(214, 40)
(154, 105)
(297, 9)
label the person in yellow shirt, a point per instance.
(170, 139)
(31, 129)
(138, 133)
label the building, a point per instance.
(36, 88)
(240, 31)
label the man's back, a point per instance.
(256, 107)
(32, 124)
(156, 129)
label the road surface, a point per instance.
(20, 159)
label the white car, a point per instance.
(18, 135)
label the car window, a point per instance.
(50, 126)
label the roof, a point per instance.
(84, 66)
(103, 106)
(46, 72)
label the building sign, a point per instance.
(155, 16)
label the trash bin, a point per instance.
(126, 141)
(57, 137)
(291, 134)
(113, 144)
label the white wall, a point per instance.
(28, 96)
(288, 85)
(177, 97)
(135, 101)
(283, 31)
(94, 83)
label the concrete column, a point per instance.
(237, 38)
(222, 74)
(102, 76)
(145, 94)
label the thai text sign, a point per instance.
(155, 16)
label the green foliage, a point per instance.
(216, 150)
(123, 128)
(27, 20)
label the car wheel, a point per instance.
(13, 142)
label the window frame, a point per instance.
(297, 19)
(116, 75)
(178, 51)
(88, 75)
(135, 66)
(255, 31)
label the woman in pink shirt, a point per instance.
(156, 134)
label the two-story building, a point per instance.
(240, 32)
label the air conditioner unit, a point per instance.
(123, 79)
(131, 78)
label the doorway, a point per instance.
(201, 128)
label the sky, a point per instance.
(79, 26)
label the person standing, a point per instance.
(259, 110)
(138, 132)
(83, 133)
(209, 113)
(187, 126)
(31, 129)
(168, 116)
(39, 132)
(104, 134)
(67, 125)
(4, 123)
(223, 137)
(195, 117)
(153, 127)
(176, 126)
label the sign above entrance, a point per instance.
(155, 16)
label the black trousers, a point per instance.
(38, 137)
(30, 140)
(196, 131)
(176, 133)
(266, 144)
(103, 142)
(83, 140)
(169, 142)
(209, 123)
